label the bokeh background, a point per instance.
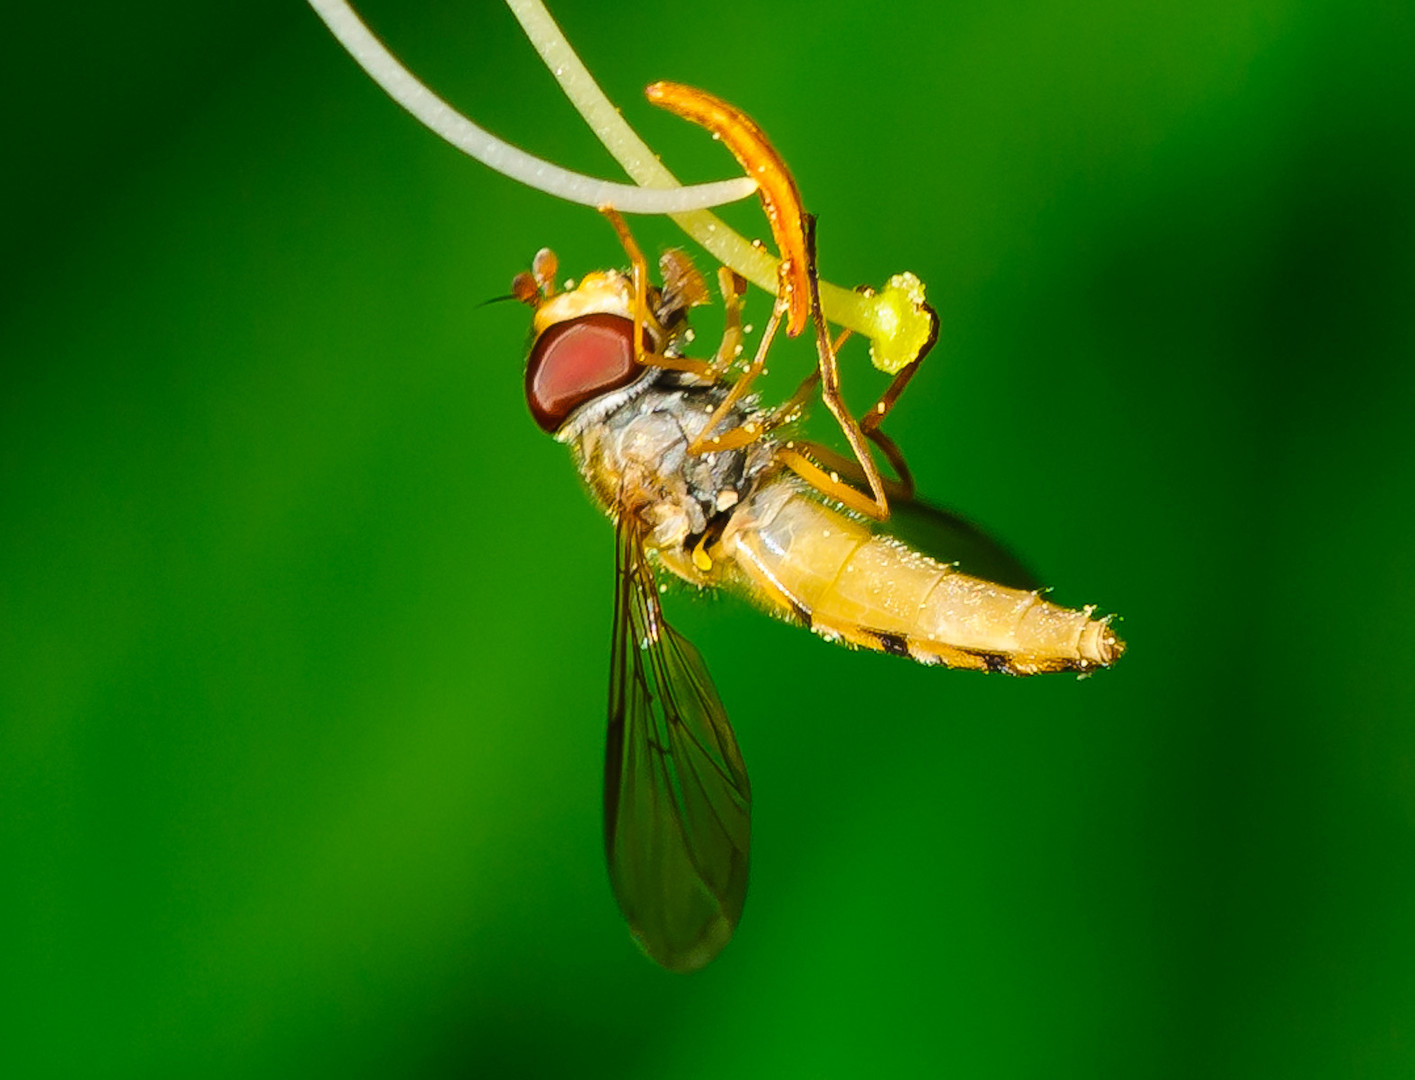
(304, 626)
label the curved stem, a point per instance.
(383, 67)
(890, 319)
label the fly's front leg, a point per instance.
(733, 287)
(639, 280)
(638, 276)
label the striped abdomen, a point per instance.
(845, 581)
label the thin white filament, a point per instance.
(383, 67)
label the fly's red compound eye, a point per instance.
(576, 361)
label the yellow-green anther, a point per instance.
(901, 324)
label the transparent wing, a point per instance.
(949, 538)
(677, 804)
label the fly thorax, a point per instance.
(635, 458)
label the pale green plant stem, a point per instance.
(867, 315)
(893, 319)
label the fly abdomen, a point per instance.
(871, 590)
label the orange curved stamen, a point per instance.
(780, 199)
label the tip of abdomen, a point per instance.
(1099, 643)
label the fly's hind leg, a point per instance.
(876, 503)
(869, 427)
(895, 457)
(870, 422)
(639, 278)
(833, 473)
(790, 409)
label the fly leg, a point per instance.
(876, 504)
(748, 430)
(733, 287)
(795, 405)
(840, 471)
(835, 463)
(895, 457)
(798, 290)
(830, 484)
(870, 422)
(639, 277)
(903, 487)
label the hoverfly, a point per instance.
(702, 485)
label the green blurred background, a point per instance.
(304, 626)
